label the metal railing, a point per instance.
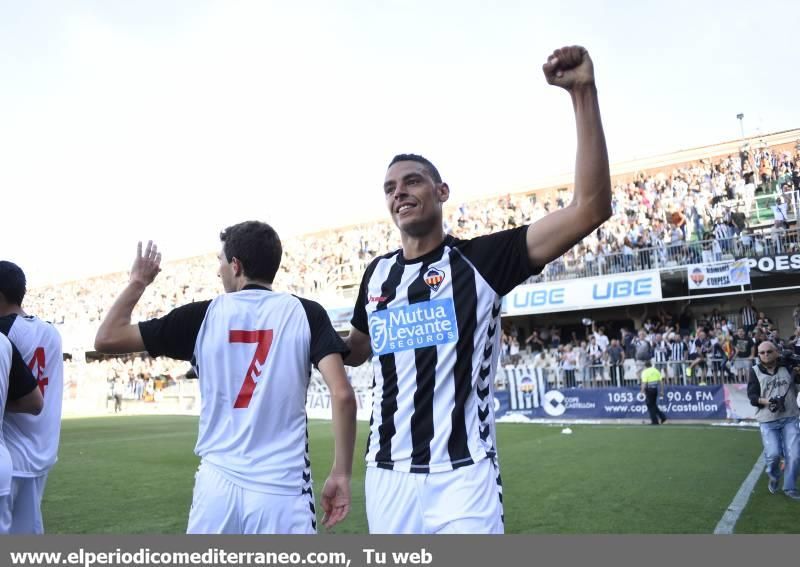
(672, 256)
(697, 372)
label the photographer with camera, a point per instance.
(772, 388)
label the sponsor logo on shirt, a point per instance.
(413, 326)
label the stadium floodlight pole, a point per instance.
(740, 118)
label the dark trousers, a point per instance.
(615, 373)
(651, 399)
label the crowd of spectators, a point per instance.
(740, 206)
(703, 349)
(658, 212)
(712, 205)
(134, 377)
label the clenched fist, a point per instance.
(569, 68)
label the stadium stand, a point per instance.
(733, 200)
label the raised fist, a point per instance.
(569, 67)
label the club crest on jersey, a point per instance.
(434, 278)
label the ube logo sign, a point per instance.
(413, 326)
(584, 293)
(622, 288)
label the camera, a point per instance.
(789, 359)
(777, 404)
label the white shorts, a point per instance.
(222, 507)
(467, 500)
(5, 518)
(21, 510)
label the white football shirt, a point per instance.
(16, 381)
(5, 458)
(33, 440)
(252, 351)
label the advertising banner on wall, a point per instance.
(530, 394)
(779, 263)
(718, 274)
(680, 402)
(584, 293)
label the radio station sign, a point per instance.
(531, 398)
(680, 402)
(584, 293)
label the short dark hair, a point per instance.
(256, 245)
(434, 173)
(12, 282)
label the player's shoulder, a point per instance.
(315, 314)
(309, 305)
(47, 327)
(26, 325)
(491, 240)
(392, 254)
(453, 241)
(372, 266)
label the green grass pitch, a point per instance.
(132, 475)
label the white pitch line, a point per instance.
(731, 515)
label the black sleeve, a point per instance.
(174, 334)
(21, 380)
(753, 389)
(501, 258)
(359, 320)
(324, 338)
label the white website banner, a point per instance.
(584, 293)
(718, 274)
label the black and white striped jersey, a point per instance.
(434, 327)
(678, 350)
(661, 351)
(749, 316)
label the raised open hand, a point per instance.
(146, 266)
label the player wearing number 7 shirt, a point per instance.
(32, 440)
(252, 349)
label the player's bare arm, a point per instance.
(336, 492)
(360, 348)
(116, 333)
(571, 69)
